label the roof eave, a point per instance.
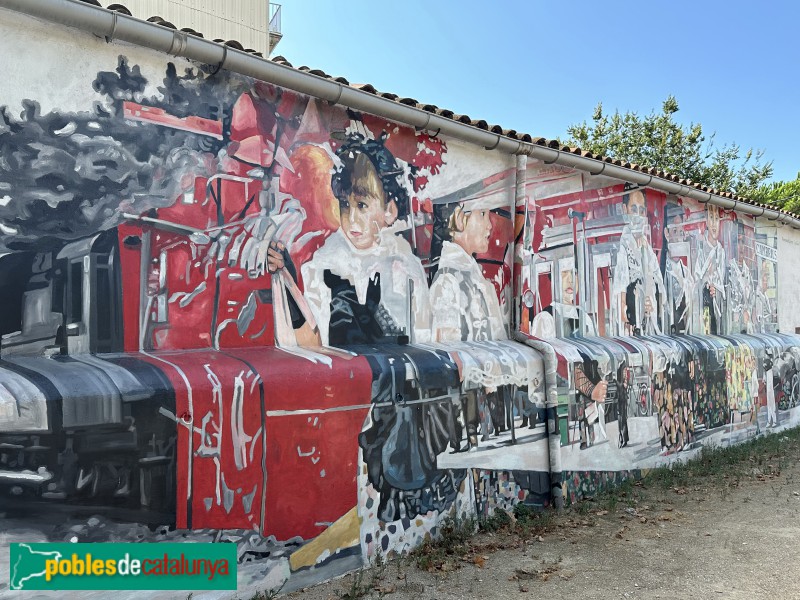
(114, 25)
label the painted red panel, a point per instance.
(220, 476)
(314, 414)
(130, 264)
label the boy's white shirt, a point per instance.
(393, 258)
(448, 301)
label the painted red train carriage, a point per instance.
(154, 367)
(145, 372)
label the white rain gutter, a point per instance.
(117, 26)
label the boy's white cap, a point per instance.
(479, 196)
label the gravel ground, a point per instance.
(732, 535)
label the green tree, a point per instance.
(658, 140)
(783, 194)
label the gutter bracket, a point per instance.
(222, 62)
(603, 169)
(178, 49)
(110, 37)
(555, 160)
(421, 128)
(496, 144)
(338, 96)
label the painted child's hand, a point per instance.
(275, 261)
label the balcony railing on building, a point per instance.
(275, 34)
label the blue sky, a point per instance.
(538, 67)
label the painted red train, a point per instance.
(94, 386)
(144, 370)
(135, 380)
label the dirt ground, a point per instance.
(728, 529)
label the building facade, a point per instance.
(238, 306)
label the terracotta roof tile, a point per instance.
(158, 21)
(120, 9)
(365, 87)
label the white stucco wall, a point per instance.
(61, 63)
(788, 279)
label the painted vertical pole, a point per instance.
(550, 366)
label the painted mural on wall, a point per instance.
(221, 291)
(662, 314)
(611, 259)
(229, 306)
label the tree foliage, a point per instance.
(658, 140)
(783, 194)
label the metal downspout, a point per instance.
(548, 356)
(551, 405)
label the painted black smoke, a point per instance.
(67, 175)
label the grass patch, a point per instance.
(367, 583)
(267, 594)
(456, 543)
(764, 456)
(444, 552)
(531, 521)
(524, 521)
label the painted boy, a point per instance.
(709, 273)
(464, 303)
(466, 308)
(365, 284)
